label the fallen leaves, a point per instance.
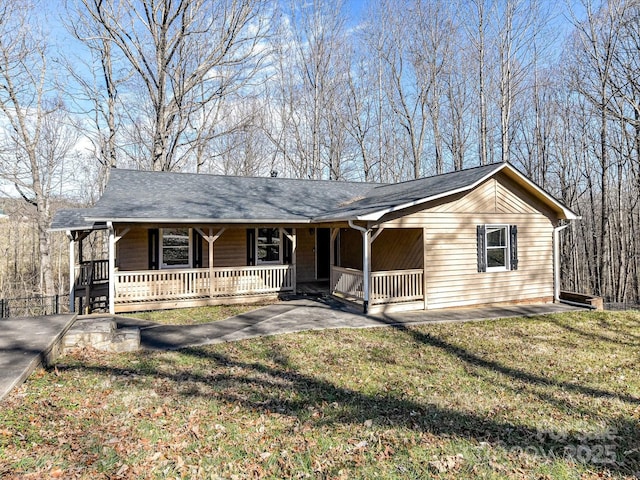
(328, 406)
(446, 463)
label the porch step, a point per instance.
(101, 333)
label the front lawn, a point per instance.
(555, 397)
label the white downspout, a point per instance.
(366, 262)
(556, 261)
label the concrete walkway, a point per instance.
(26, 343)
(303, 314)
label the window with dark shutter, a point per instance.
(251, 246)
(197, 250)
(482, 254)
(513, 246)
(175, 248)
(497, 247)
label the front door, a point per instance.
(323, 253)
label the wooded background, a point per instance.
(386, 91)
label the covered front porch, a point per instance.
(340, 257)
(379, 269)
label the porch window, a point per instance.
(497, 247)
(175, 247)
(268, 245)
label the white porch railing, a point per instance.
(249, 280)
(348, 282)
(392, 286)
(158, 285)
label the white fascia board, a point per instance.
(77, 229)
(374, 216)
(198, 220)
(568, 214)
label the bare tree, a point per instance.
(185, 55)
(476, 26)
(360, 112)
(98, 80)
(34, 138)
(595, 43)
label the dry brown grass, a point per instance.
(553, 397)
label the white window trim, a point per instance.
(280, 249)
(507, 248)
(164, 266)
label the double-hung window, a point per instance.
(269, 242)
(175, 247)
(497, 248)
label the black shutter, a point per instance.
(481, 239)
(154, 248)
(287, 245)
(513, 244)
(251, 246)
(197, 249)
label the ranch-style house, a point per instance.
(485, 235)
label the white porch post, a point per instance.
(366, 263)
(72, 271)
(112, 269)
(424, 266)
(293, 238)
(294, 247)
(211, 239)
(211, 253)
(366, 268)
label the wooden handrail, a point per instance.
(170, 284)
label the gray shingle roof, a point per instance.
(72, 219)
(153, 196)
(142, 196)
(388, 197)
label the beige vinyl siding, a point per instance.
(132, 251)
(450, 247)
(451, 258)
(350, 248)
(397, 249)
(230, 250)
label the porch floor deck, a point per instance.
(314, 289)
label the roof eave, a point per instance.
(377, 215)
(199, 220)
(567, 214)
(79, 228)
(73, 229)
